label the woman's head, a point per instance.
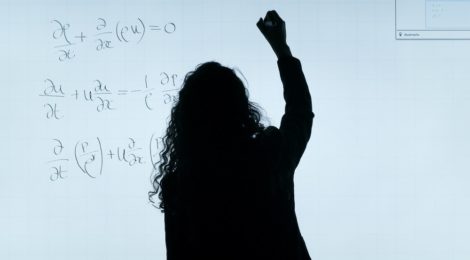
(212, 109)
(213, 100)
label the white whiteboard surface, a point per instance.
(384, 176)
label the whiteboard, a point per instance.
(87, 87)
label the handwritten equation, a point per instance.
(91, 156)
(104, 35)
(101, 96)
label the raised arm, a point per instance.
(296, 124)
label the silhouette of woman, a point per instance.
(225, 181)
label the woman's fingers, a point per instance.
(266, 17)
(261, 25)
(271, 17)
(276, 16)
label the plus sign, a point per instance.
(81, 36)
(110, 154)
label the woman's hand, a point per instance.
(274, 30)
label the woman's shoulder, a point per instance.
(268, 142)
(269, 136)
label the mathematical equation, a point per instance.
(105, 36)
(101, 96)
(91, 156)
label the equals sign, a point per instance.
(155, 27)
(122, 92)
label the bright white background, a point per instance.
(385, 174)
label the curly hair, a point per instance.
(212, 108)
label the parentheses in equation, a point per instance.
(121, 31)
(84, 170)
(117, 33)
(143, 32)
(101, 153)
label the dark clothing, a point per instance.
(243, 206)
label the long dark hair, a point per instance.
(212, 109)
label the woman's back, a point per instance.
(238, 210)
(232, 216)
(233, 198)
